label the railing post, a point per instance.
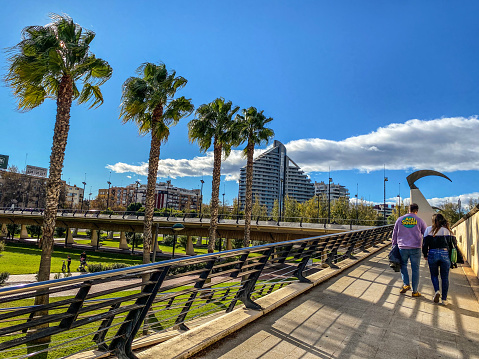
(121, 345)
(203, 276)
(244, 293)
(298, 273)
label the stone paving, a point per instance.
(360, 314)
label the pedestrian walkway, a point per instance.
(360, 314)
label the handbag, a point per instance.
(453, 255)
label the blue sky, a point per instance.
(352, 86)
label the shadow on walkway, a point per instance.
(361, 314)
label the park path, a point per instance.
(360, 314)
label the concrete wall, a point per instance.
(467, 234)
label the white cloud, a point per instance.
(444, 145)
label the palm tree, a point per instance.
(251, 129)
(149, 102)
(52, 61)
(214, 123)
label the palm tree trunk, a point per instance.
(60, 136)
(249, 194)
(150, 187)
(215, 195)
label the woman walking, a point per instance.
(437, 245)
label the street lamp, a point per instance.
(384, 204)
(176, 228)
(108, 196)
(136, 194)
(399, 201)
(201, 203)
(83, 197)
(357, 207)
(329, 199)
(318, 206)
(167, 193)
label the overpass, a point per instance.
(262, 229)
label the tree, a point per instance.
(53, 61)
(214, 123)
(251, 128)
(148, 101)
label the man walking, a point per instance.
(407, 234)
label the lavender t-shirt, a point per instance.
(408, 231)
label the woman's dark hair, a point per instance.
(439, 221)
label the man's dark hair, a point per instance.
(413, 207)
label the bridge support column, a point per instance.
(198, 241)
(110, 235)
(70, 237)
(4, 231)
(75, 232)
(94, 237)
(189, 246)
(155, 246)
(24, 232)
(229, 244)
(123, 242)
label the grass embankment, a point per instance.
(21, 258)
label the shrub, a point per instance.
(4, 277)
(34, 231)
(60, 232)
(13, 228)
(57, 276)
(2, 246)
(100, 267)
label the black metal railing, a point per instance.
(106, 311)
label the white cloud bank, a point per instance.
(444, 145)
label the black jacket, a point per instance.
(437, 242)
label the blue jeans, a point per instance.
(438, 259)
(413, 254)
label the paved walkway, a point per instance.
(361, 314)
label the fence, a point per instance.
(106, 311)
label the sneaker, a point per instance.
(404, 289)
(416, 294)
(436, 297)
(444, 302)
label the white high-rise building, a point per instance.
(276, 176)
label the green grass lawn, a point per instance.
(25, 259)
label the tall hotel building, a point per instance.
(276, 176)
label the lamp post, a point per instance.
(201, 203)
(399, 200)
(329, 199)
(108, 196)
(136, 193)
(167, 193)
(318, 206)
(384, 204)
(83, 197)
(176, 228)
(357, 207)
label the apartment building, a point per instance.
(336, 191)
(276, 176)
(166, 196)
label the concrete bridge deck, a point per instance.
(360, 314)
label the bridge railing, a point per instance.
(180, 216)
(106, 311)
